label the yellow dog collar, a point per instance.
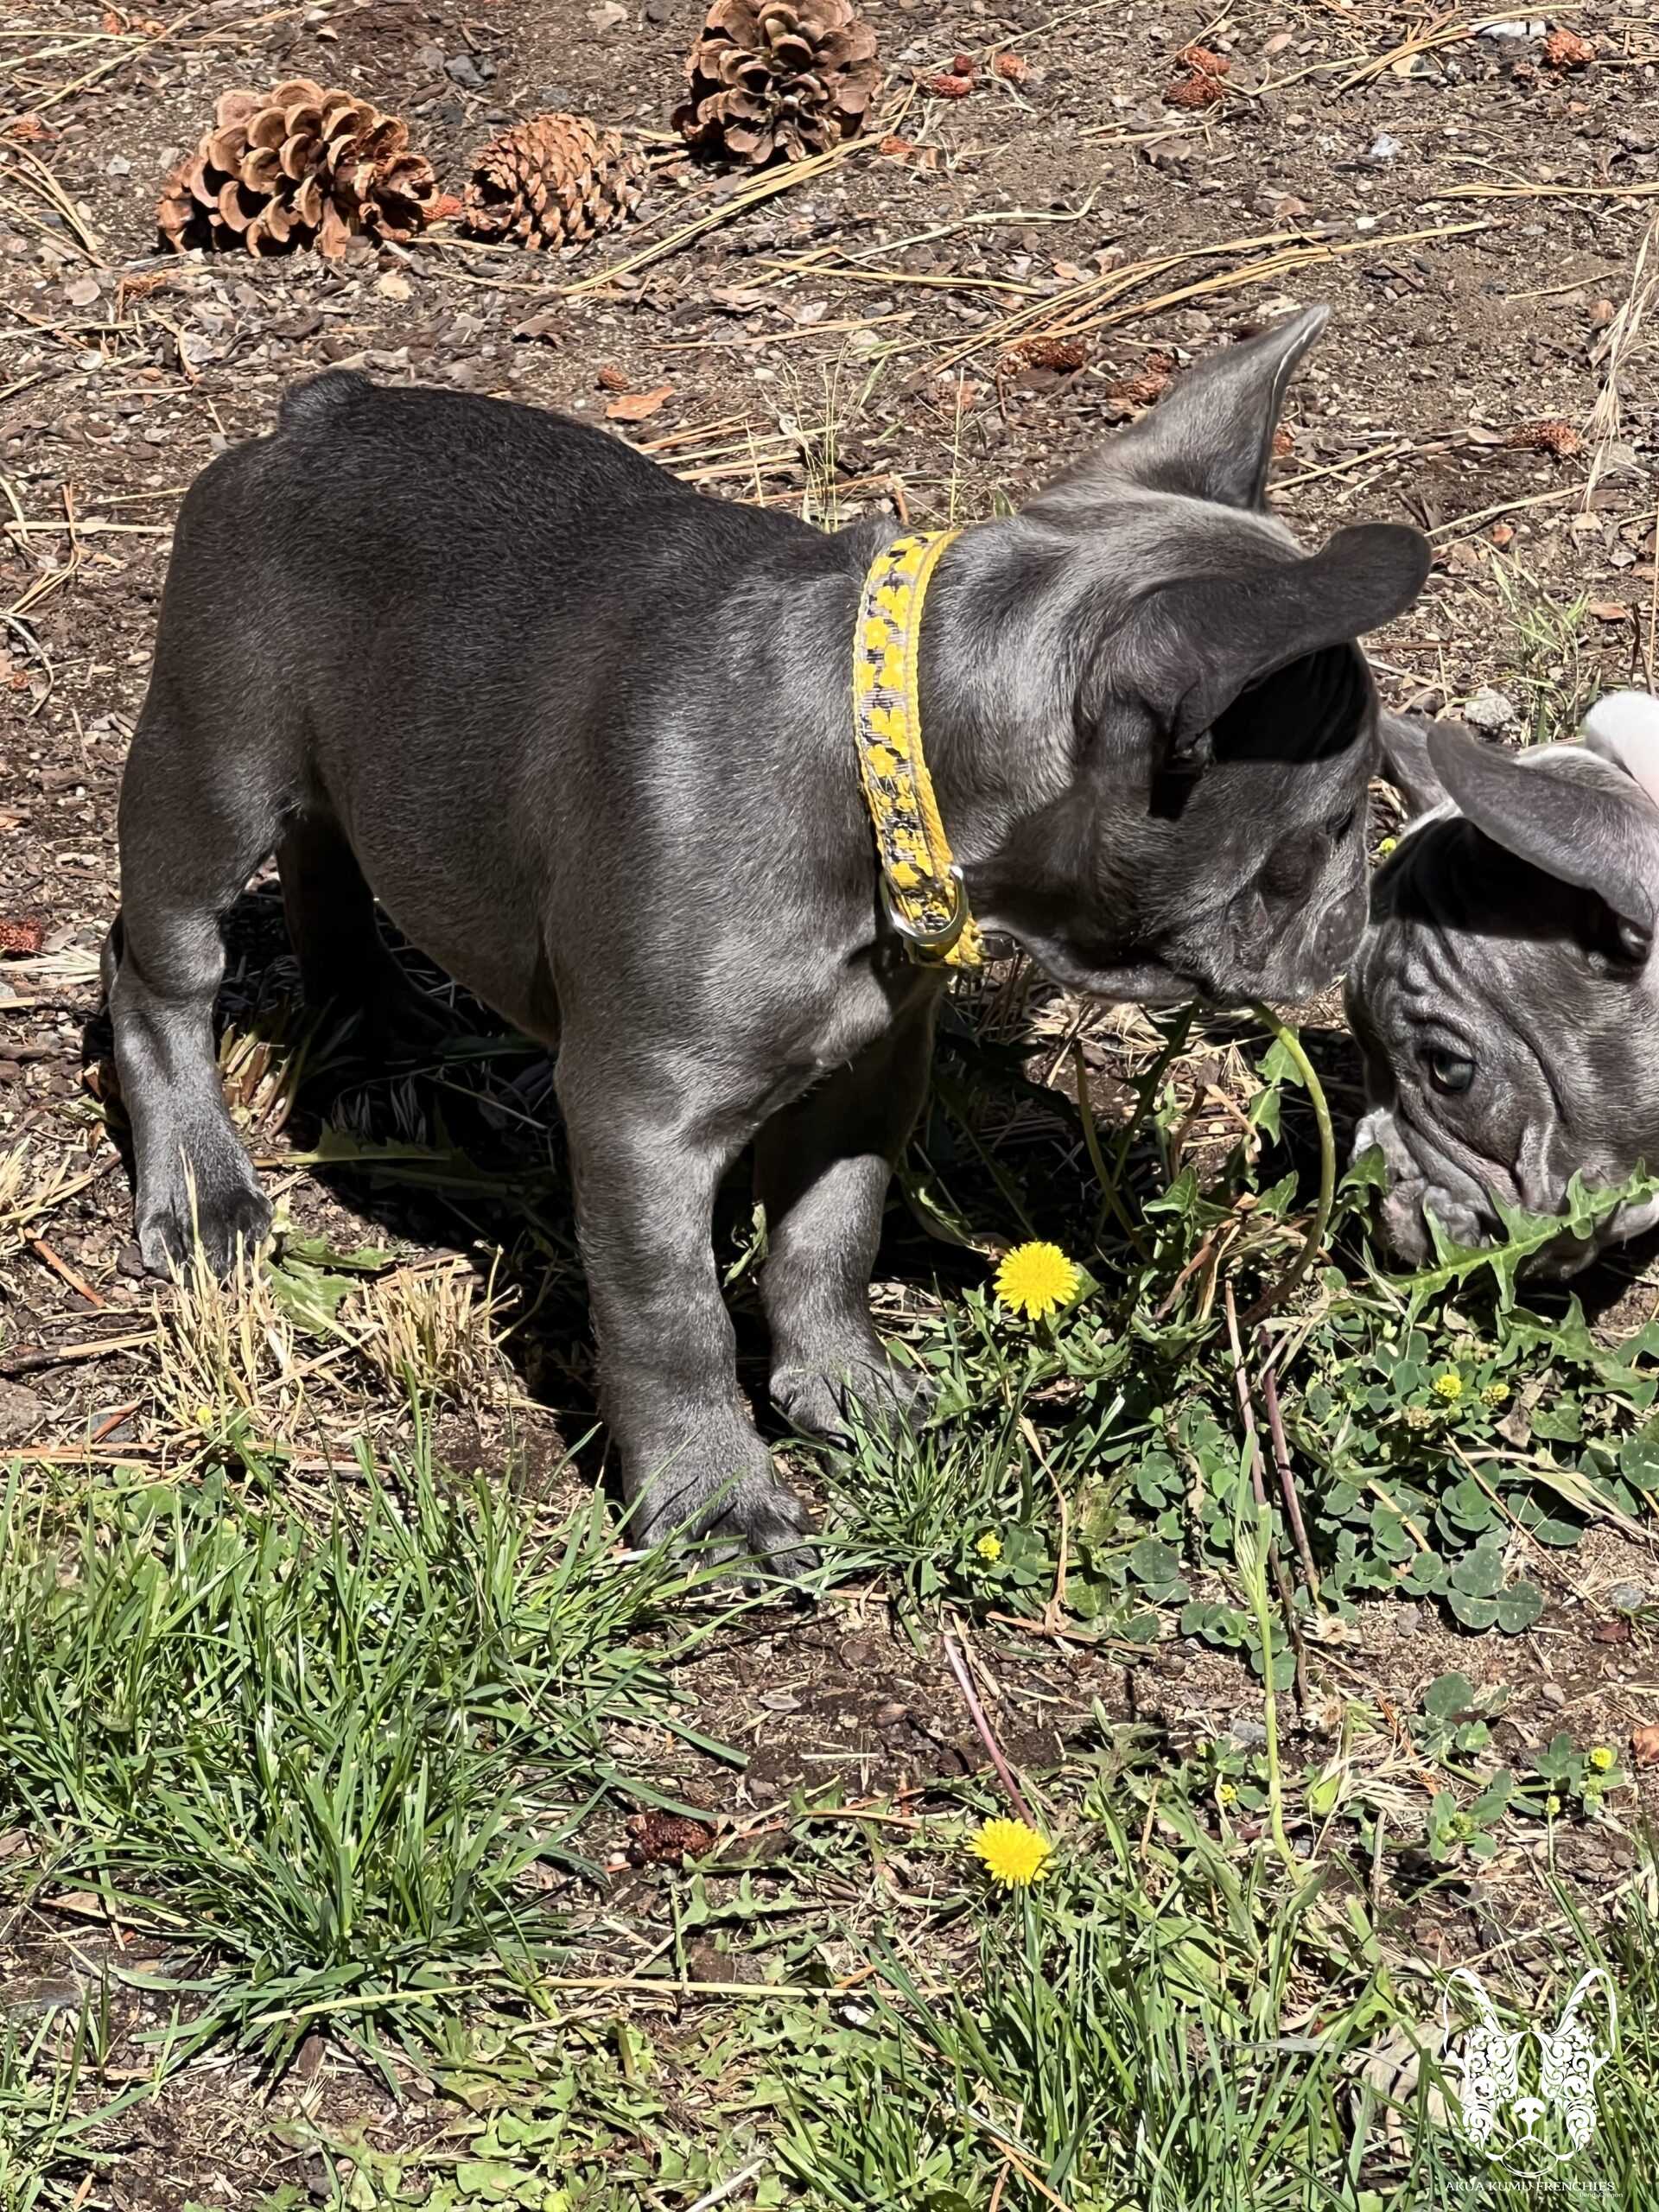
(921, 886)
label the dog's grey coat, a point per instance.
(586, 736)
(1512, 938)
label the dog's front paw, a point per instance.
(721, 1486)
(229, 1209)
(820, 1400)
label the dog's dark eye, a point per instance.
(1449, 1070)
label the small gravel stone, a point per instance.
(21, 1412)
(470, 72)
(1490, 709)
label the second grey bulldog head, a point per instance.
(1506, 993)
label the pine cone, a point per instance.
(293, 167)
(794, 77)
(1558, 438)
(1195, 90)
(1565, 49)
(1064, 356)
(659, 1838)
(554, 180)
(21, 936)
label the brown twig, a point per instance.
(61, 1267)
(37, 1363)
(111, 1422)
(1258, 1485)
(1054, 1608)
(1281, 1461)
(977, 1714)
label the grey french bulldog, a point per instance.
(1505, 995)
(586, 736)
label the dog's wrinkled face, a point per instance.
(1188, 682)
(1503, 995)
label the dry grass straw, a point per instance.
(263, 1067)
(1427, 40)
(136, 47)
(1521, 187)
(19, 166)
(1620, 345)
(432, 1336)
(28, 1192)
(765, 185)
(1088, 306)
(227, 1366)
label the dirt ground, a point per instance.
(1475, 219)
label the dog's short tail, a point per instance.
(321, 401)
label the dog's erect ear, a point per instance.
(1406, 765)
(1575, 825)
(1210, 436)
(1232, 630)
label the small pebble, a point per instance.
(21, 1412)
(1490, 709)
(1383, 150)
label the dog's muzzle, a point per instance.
(1412, 1195)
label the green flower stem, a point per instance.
(1277, 1294)
(1111, 1200)
(1249, 1548)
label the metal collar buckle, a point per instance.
(924, 944)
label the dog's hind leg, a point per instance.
(188, 844)
(344, 960)
(823, 1166)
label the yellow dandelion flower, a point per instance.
(204, 1417)
(989, 1547)
(1013, 1855)
(1495, 1395)
(1386, 847)
(1448, 1386)
(1601, 1759)
(1225, 1793)
(1034, 1278)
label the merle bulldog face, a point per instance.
(1504, 994)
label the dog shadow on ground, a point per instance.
(458, 1152)
(462, 1152)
